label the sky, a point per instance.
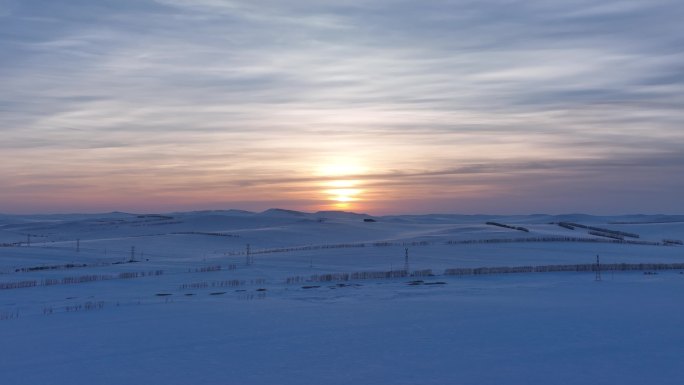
(380, 106)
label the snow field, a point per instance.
(245, 324)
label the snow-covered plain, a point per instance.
(194, 308)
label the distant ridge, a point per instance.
(283, 212)
(341, 214)
(210, 212)
(275, 212)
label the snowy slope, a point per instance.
(174, 299)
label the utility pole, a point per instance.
(249, 256)
(598, 269)
(406, 263)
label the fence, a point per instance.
(563, 268)
(78, 279)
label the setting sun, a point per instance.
(342, 192)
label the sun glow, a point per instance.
(340, 168)
(340, 191)
(343, 190)
(344, 194)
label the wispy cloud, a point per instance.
(218, 99)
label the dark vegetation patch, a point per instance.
(421, 282)
(614, 233)
(52, 267)
(519, 228)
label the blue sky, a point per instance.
(382, 106)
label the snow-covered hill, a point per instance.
(284, 297)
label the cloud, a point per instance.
(238, 91)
